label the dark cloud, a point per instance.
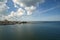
(31, 2)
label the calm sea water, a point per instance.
(31, 31)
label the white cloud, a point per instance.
(16, 6)
(20, 12)
(28, 5)
(30, 10)
(17, 14)
(3, 6)
(3, 9)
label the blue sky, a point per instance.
(30, 10)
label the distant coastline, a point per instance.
(6, 22)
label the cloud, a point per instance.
(37, 11)
(50, 9)
(16, 14)
(3, 7)
(30, 10)
(20, 12)
(28, 5)
(28, 2)
(3, 1)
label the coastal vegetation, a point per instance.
(6, 22)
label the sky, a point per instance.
(30, 10)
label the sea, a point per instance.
(31, 31)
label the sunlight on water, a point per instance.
(40, 31)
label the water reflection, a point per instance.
(41, 31)
(16, 32)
